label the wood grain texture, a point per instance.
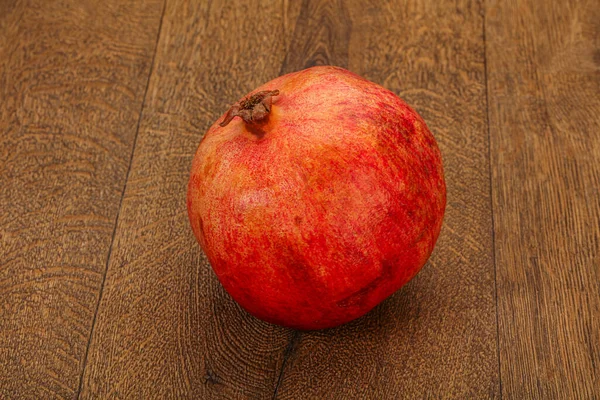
(544, 86)
(73, 81)
(320, 37)
(165, 327)
(72, 78)
(436, 338)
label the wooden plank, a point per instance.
(436, 338)
(544, 85)
(72, 80)
(165, 327)
(321, 36)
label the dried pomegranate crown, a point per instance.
(252, 109)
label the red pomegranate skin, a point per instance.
(313, 216)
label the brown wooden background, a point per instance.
(105, 294)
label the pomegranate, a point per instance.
(316, 197)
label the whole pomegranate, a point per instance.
(316, 197)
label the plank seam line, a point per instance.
(108, 258)
(487, 107)
(289, 350)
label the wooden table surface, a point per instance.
(104, 292)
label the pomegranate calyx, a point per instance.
(252, 109)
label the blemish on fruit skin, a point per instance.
(303, 233)
(201, 226)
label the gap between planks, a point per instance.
(108, 258)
